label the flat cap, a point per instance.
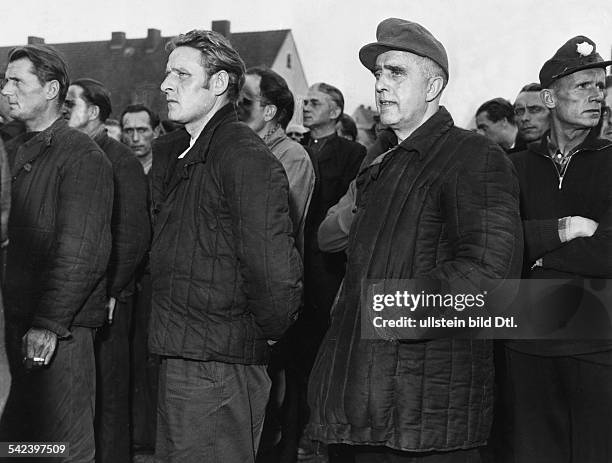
(576, 54)
(402, 35)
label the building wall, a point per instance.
(293, 74)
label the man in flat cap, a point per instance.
(562, 393)
(433, 202)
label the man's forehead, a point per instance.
(528, 99)
(314, 93)
(185, 57)
(136, 119)
(597, 75)
(22, 64)
(395, 58)
(74, 92)
(252, 83)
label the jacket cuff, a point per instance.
(57, 328)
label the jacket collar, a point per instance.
(426, 135)
(46, 136)
(26, 155)
(199, 151)
(275, 138)
(591, 143)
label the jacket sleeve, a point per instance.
(80, 253)
(480, 203)
(590, 256)
(256, 190)
(5, 193)
(130, 225)
(334, 230)
(541, 237)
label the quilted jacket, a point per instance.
(225, 271)
(442, 205)
(130, 223)
(59, 229)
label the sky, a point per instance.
(494, 47)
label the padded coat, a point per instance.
(59, 229)
(443, 205)
(225, 271)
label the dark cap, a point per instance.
(575, 55)
(398, 34)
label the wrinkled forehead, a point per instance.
(396, 58)
(315, 93)
(528, 99)
(595, 75)
(138, 119)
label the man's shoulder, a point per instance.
(117, 152)
(289, 149)
(348, 147)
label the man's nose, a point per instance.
(135, 136)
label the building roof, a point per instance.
(132, 69)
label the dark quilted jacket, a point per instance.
(59, 230)
(226, 274)
(443, 205)
(130, 224)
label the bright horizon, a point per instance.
(494, 47)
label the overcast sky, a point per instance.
(494, 47)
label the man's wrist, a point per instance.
(563, 226)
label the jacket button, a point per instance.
(27, 167)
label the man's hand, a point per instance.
(110, 307)
(39, 345)
(576, 227)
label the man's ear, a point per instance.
(434, 88)
(220, 82)
(335, 112)
(52, 89)
(270, 112)
(548, 97)
(93, 112)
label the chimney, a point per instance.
(117, 40)
(35, 40)
(222, 27)
(153, 40)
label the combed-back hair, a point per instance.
(275, 91)
(217, 55)
(48, 65)
(533, 87)
(334, 93)
(498, 109)
(96, 93)
(137, 108)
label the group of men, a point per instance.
(236, 211)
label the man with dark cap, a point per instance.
(562, 399)
(433, 201)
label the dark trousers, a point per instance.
(55, 403)
(379, 454)
(210, 412)
(562, 407)
(112, 422)
(145, 368)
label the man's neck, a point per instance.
(567, 138)
(93, 129)
(195, 128)
(511, 140)
(404, 132)
(322, 131)
(145, 160)
(44, 120)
